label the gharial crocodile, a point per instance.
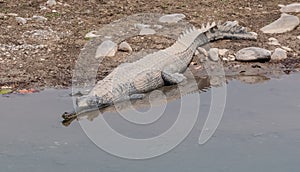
(132, 80)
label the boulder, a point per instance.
(253, 54)
(284, 24)
(279, 54)
(213, 54)
(291, 8)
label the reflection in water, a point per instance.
(171, 93)
(252, 79)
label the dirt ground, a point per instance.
(52, 65)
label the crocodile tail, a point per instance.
(229, 30)
(188, 37)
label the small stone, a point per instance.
(141, 26)
(231, 57)
(279, 54)
(213, 54)
(253, 54)
(202, 51)
(51, 3)
(43, 8)
(273, 41)
(147, 31)
(21, 20)
(298, 37)
(124, 46)
(222, 52)
(284, 24)
(286, 48)
(92, 34)
(158, 26)
(171, 18)
(291, 8)
(2, 15)
(106, 48)
(12, 14)
(39, 18)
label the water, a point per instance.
(259, 131)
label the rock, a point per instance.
(124, 46)
(51, 3)
(39, 18)
(231, 57)
(141, 26)
(279, 54)
(43, 8)
(298, 37)
(158, 26)
(202, 51)
(171, 18)
(286, 48)
(222, 52)
(147, 31)
(273, 41)
(106, 48)
(213, 54)
(291, 8)
(253, 54)
(3, 16)
(21, 20)
(284, 24)
(12, 14)
(91, 34)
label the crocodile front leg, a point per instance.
(171, 75)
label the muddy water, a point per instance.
(259, 131)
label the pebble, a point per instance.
(39, 18)
(253, 54)
(291, 8)
(51, 3)
(141, 26)
(222, 52)
(171, 18)
(124, 46)
(106, 48)
(202, 51)
(21, 20)
(298, 37)
(91, 34)
(158, 26)
(12, 14)
(2, 15)
(231, 57)
(213, 54)
(279, 54)
(273, 41)
(43, 8)
(147, 31)
(286, 48)
(284, 24)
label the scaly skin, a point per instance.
(131, 80)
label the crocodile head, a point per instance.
(86, 103)
(229, 30)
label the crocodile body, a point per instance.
(131, 80)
